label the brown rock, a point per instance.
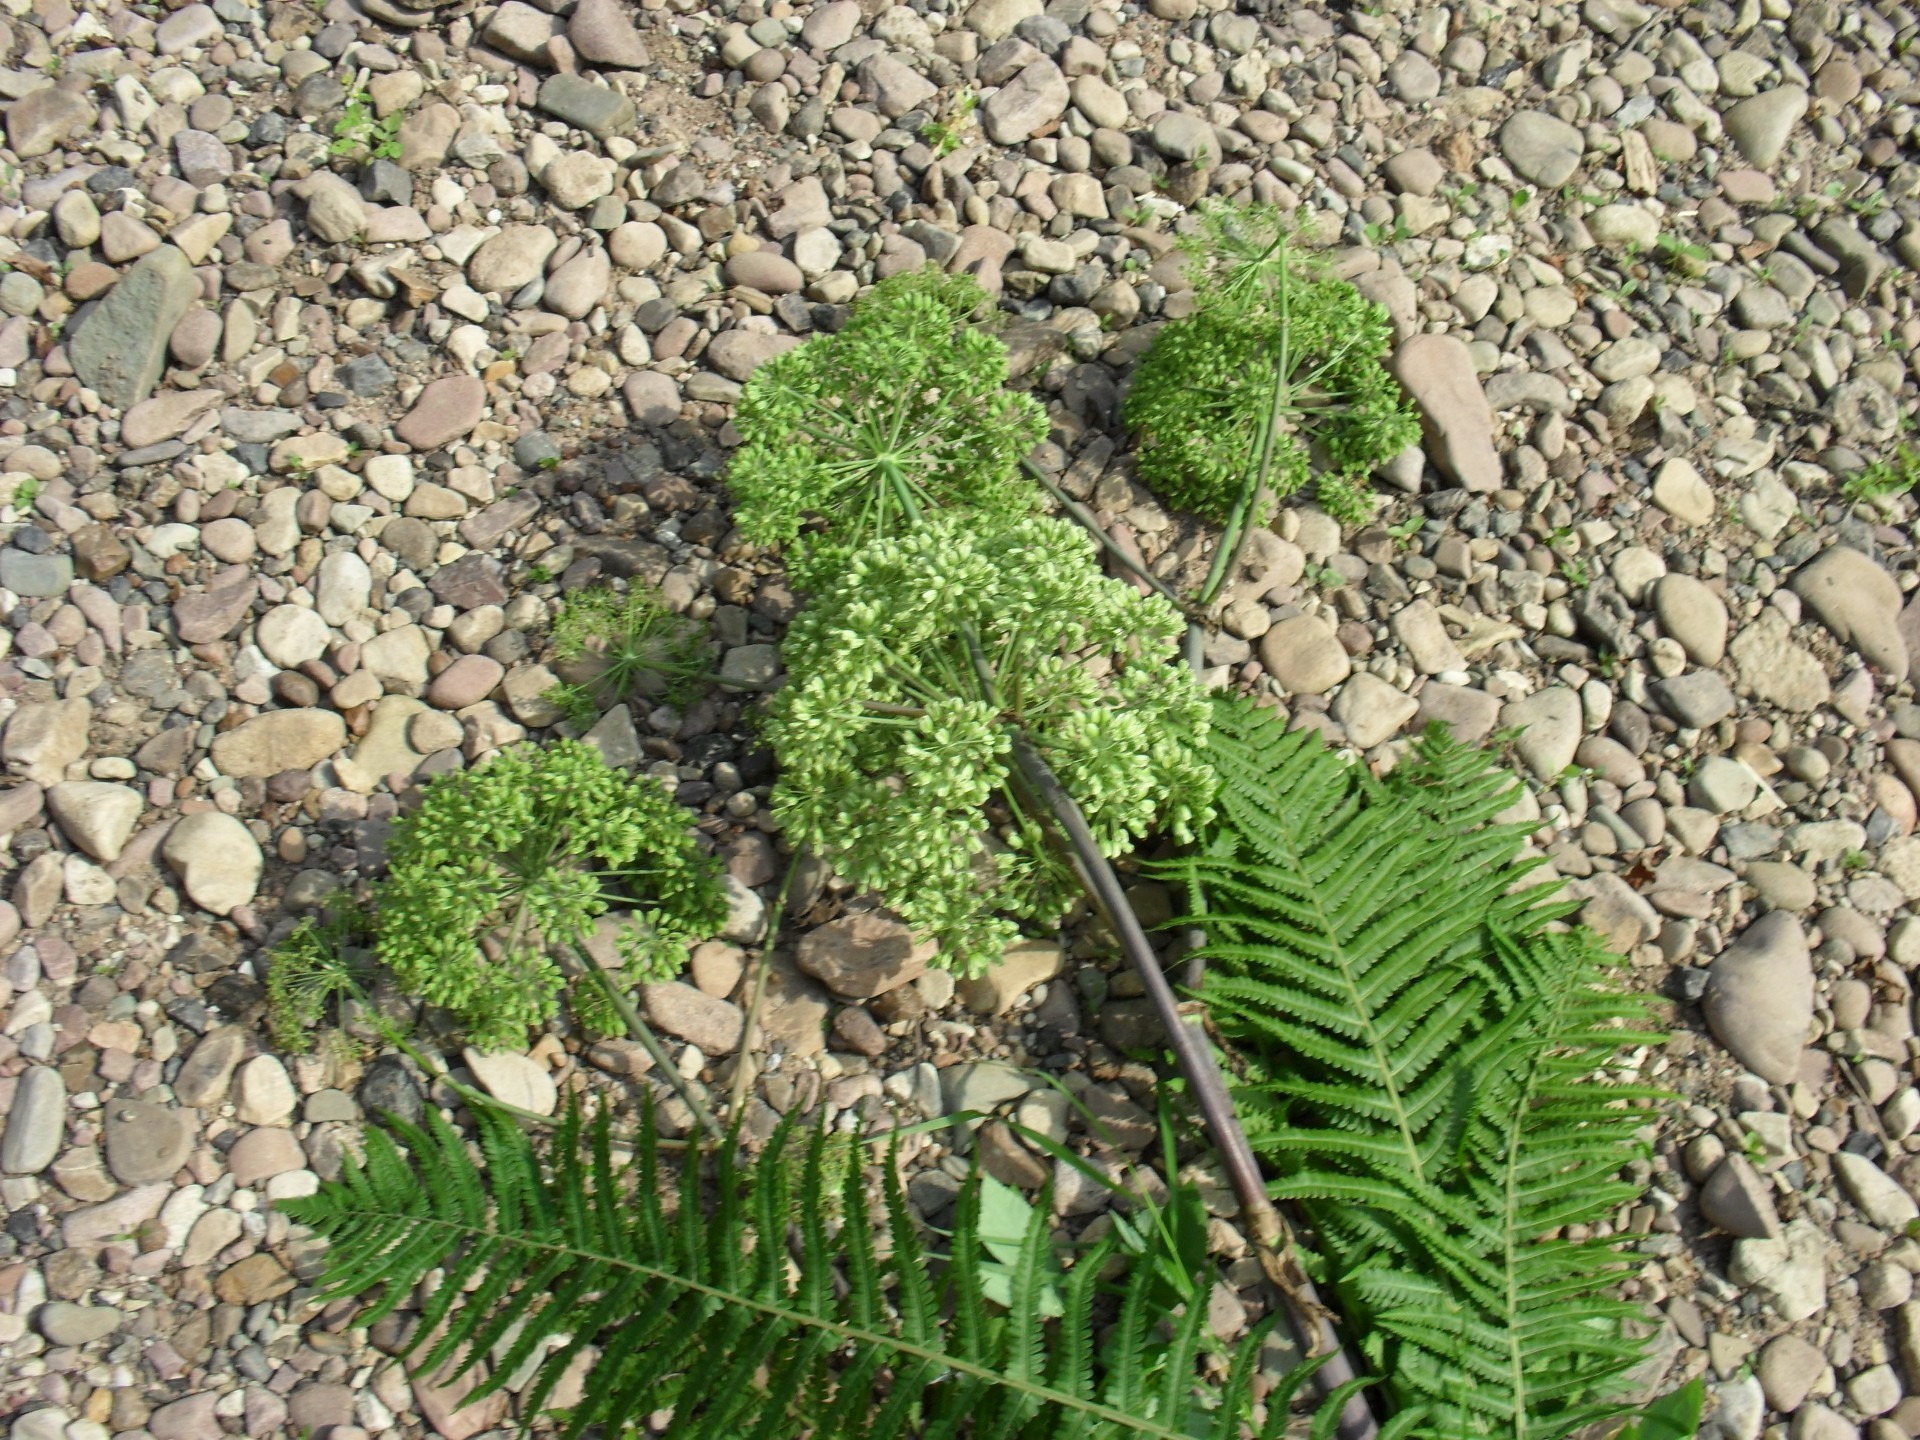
(249, 1281)
(447, 410)
(863, 955)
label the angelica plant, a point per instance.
(613, 648)
(916, 673)
(853, 434)
(1274, 381)
(501, 866)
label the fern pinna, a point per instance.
(1429, 1065)
(743, 1310)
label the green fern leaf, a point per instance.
(1429, 1065)
(723, 1309)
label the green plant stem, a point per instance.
(1235, 535)
(1084, 518)
(743, 1069)
(637, 1028)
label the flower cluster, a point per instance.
(1270, 342)
(500, 866)
(854, 434)
(909, 674)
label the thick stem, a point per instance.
(1084, 517)
(743, 1066)
(1193, 1052)
(637, 1028)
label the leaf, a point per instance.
(707, 1306)
(1674, 1416)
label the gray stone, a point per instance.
(45, 119)
(511, 259)
(513, 1079)
(1759, 126)
(64, 1323)
(1697, 700)
(36, 577)
(1860, 603)
(602, 33)
(1025, 105)
(1722, 785)
(1759, 998)
(1437, 374)
(36, 1122)
(208, 1069)
(44, 737)
(981, 1085)
(1183, 137)
(217, 859)
(121, 350)
(1789, 1271)
(1874, 1192)
(1542, 147)
(146, 1142)
(1787, 1371)
(1550, 727)
(1372, 711)
(1737, 1200)
(586, 106)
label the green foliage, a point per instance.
(714, 1307)
(891, 743)
(1674, 1416)
(1430, 1071)
(944, 135)
(622, 647)
(502, 864)
(1882, 480)
(1276, 358)
(25, 491)
(904, 410)
(324, 960)
(357, 129)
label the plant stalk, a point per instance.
(742, 1067)
(1084, 517)
(1194, 1053)
(637, 1028)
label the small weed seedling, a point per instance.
(616, 648)
(1884, 479)
(944, 135)
(357, 129)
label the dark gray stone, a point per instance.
(593, 108)
(121, 350)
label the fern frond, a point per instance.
(1429, 1069)
(739, 1319)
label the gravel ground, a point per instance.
(303, 446)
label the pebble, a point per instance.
(1759, 998)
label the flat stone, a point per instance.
(208, 1069)
(1026, 105)
(95, 815)
(121, 1215)
(1371, 711)
(579, 285)
(1788, 1368)
(190, 1419)
(1759, 997)
(586, 106)
(713, 1026)
(736, 354)
(1694, 615)
(65, 1323)
(1680, 491)
(1772, 668)
(1550, 727)
(200, 617)
(120, 351)
(1543, 148)
(1023, 965)
(43, 120)
(514, 1079)
(262, 1154)
(36, 1123)
(145, 1143)
(447, 410)
(1860, 603)
(863, 955)
(36, 577)
(1759, 125)
(1790, 1271)
(291, 635)
(278, 740)
(1438, 375)
(1304, 655)
(1874, 1192)
(253, 1280)
(602, 33)
(44, 737)
(217, 859)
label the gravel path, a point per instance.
(338, 342)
